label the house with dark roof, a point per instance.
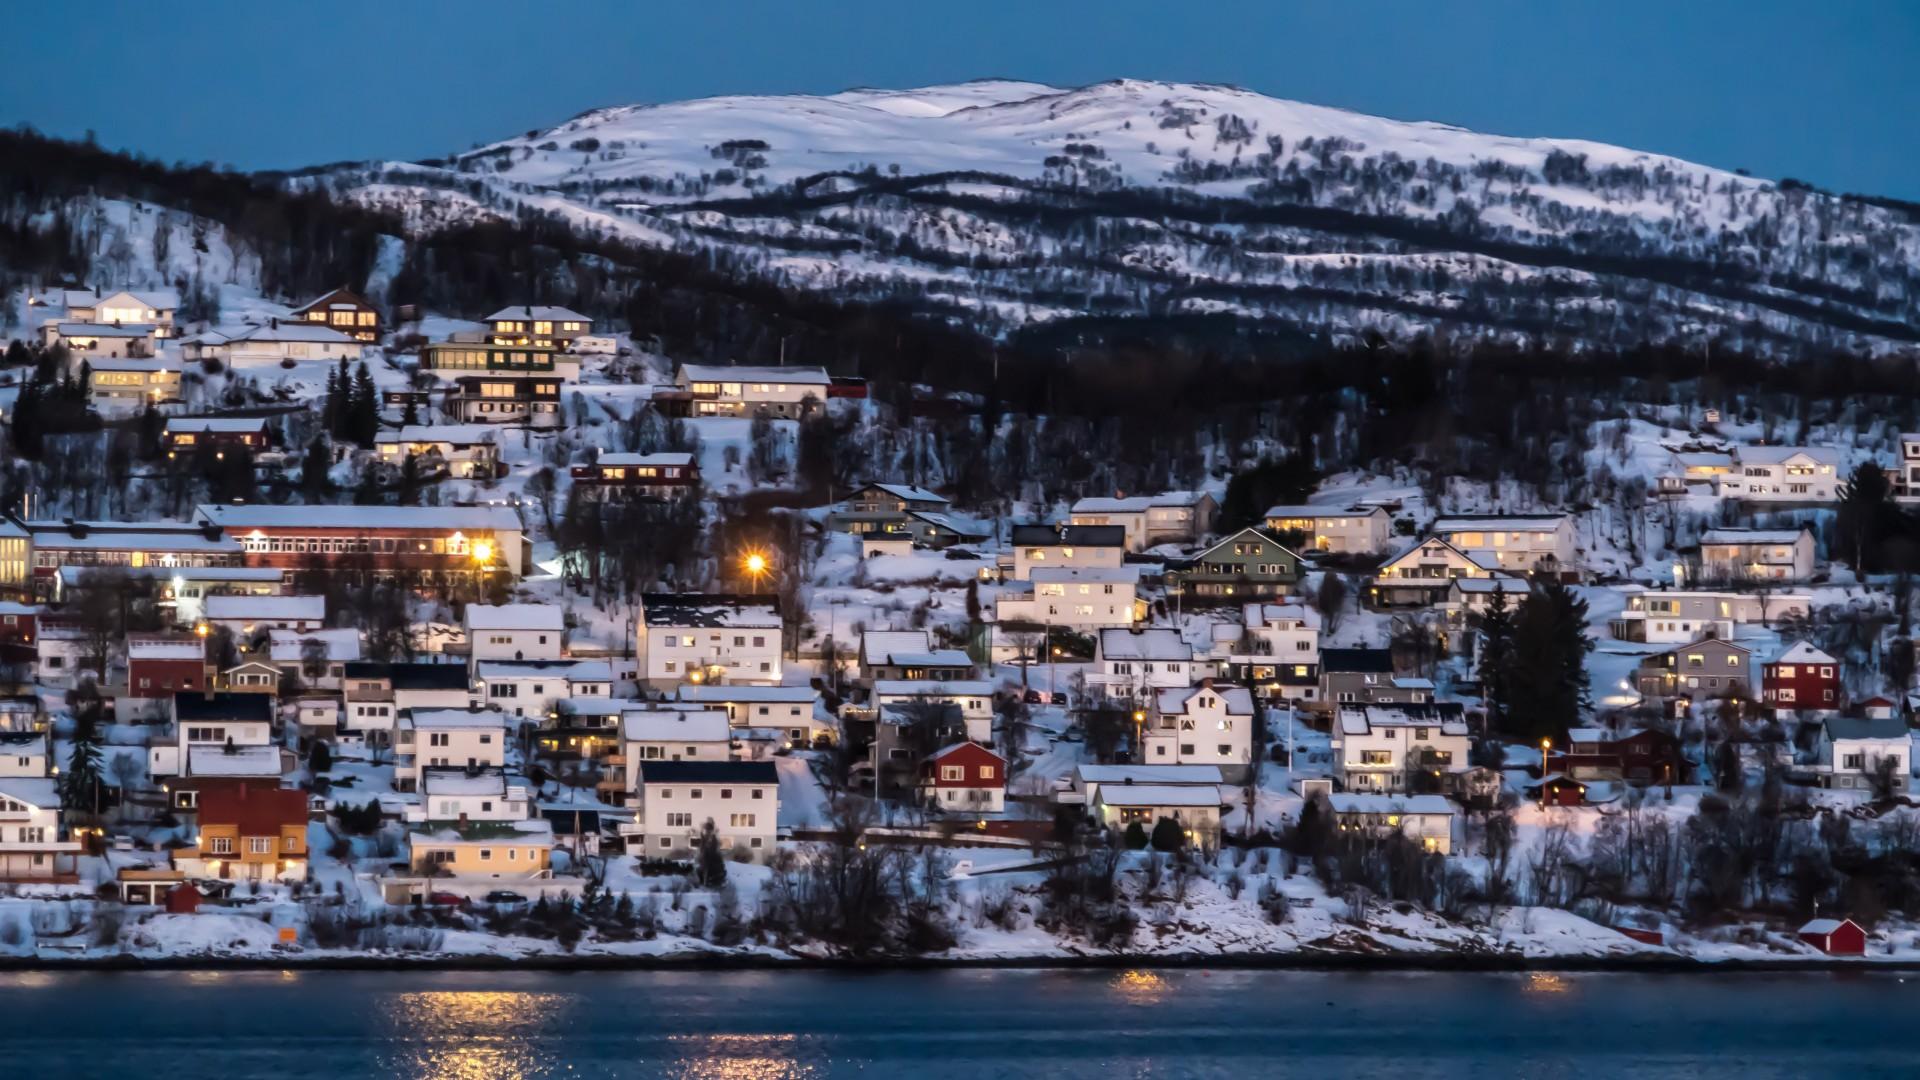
(674, 801)
(345, 311)
(1248, 565)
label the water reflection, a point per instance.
(474, 1035)
(1140, 987)
(738, 1057)
(1546, 982)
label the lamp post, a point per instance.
(1545, 745)
(755, 564)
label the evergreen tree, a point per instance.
(1866, 517)
(1547, 676)
(1168, 835)
(366, 407)
(411, 417)
(25, 430)
(80, 783)
(336, 380)
(710, 871)
(1496, 656)
(315, 483)
(409, 494)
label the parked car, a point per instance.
(504, 898)
(446, 899)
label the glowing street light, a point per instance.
(1545, 745)
(755, 564)
(482, 552)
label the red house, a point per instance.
(158, 666)
(18, 622)
(1835, 937)
(1802, 677)
(1559, 790)
(965, 778)
(1643, 756)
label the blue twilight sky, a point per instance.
(1827, 92)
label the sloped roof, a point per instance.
(257, 810)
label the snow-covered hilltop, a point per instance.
(1004, 204)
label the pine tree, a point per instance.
(335, 393)
(25, 430)
(411, 417)
(315, 484)
(80, 783)
(1496, 654)
(711, 870)
(409, 494)
(1547, 677)
(366, 407)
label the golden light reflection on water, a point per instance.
(1141, 987)
(473, 1035)
(1546, 982)
(739, 1057)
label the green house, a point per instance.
(1249, 565)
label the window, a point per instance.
(953, 772)
(221, 845)
(741, 821)
(260, 845)
(679, 821)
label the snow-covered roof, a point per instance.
(709, 610)
(877, 645)
(459, 781)
(1752, 536)
(570, 670)
(1801, 652)
(291, 330)
(811, 376)
(261, 515)
(1362, 719)
(759, 695)
(636, 461)
(1238, 699)
(1318, 512)
(1776, 455)
(151, 649)
(451, 434)
(215, 424)
(541, 312)
(1452, 523)
(1702, 459)
(932, 688)
(157, 299)
(241, 761)
(1135, 504)
(1823, 926)
(670, 725)
(1157, 795)
(1258, 616)
(424, 719)
(42, 792)
(932, 658)
(515, 617)
(1149, 774)
(1149, 643)
(910, 493)
(115, 540)
(1090, 575)
(107, 330)
(256, 608)
(285, 646)
(1343, 803)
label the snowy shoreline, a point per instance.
(698, 960)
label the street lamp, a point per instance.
(755, 564)
(1545, 745)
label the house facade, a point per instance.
(1207, 724)
(1756, 556)
(1175, 517)
(708, 638)
(676, 799)
(1396, 749)
(1249, 565)
(780, 392)
(1801, 678)
(964, 778)
(653, 476)
(343, 311)
(1336, 530)
(1702, 670)
(1516, 543)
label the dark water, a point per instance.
(740, 1025)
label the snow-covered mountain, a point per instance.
(1003, 204)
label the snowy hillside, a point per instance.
(1008, 203)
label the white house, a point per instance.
(244, 614)
(1035, 546)
(1077, 597)
(1756, 555)
(515, 632)
(909, 654)
(1427, 820)
(31, 845)
(329, 650)
(1679, 616)
(1906, 475)
(484, 794)
(219, 735)
(24, 753)
(255, 346)
(676, 799)
(672, 735)
(468, 451)
(448, 738)
(788, 392)
(1132, 665)
(1421, 574)
(1516, 543)
(1085, 782)
(1852, 751)
(1151, 520)
(696, 638)
(972, 697)
(531, 688)
(1788, 474)
(1358, 530)
(1275, 648)
(1384, 748)
(1195, 809)
(791, 712)
(1207, 724)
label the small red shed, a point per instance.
(183, 900)
(1558, 789)
(1836, 937)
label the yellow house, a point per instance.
(507, 850)
(249, 832)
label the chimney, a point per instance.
(463, 819)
